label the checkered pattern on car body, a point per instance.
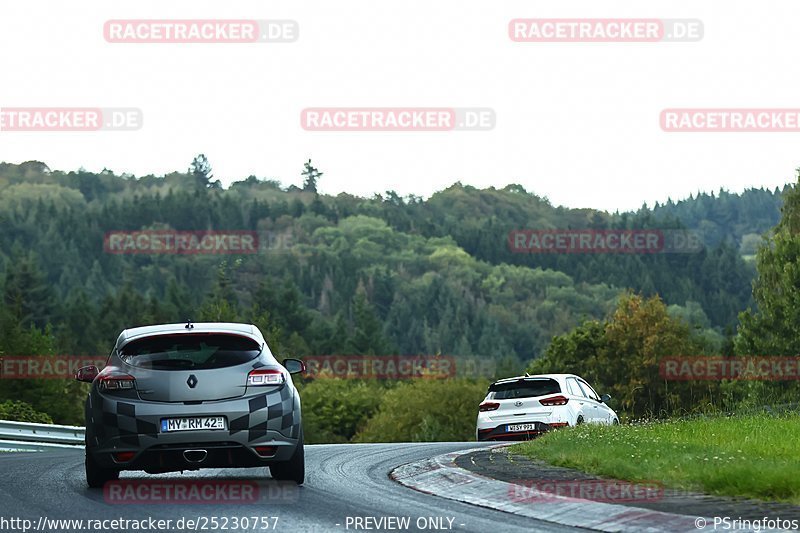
(272, 411)
(118, 419)
(134, 423)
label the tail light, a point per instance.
(266, 451)
(488, 406)
(115, 381)
(555, 400)
(263, 377)
(558, 424)
(124, 457)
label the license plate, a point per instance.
(521, 427)
(193, 423)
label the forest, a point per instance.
(348, 275)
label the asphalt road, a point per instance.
(343, 483)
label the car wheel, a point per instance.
(579, 421)
(615, 422)
(97, 476)
(295, 468)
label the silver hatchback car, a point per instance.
(188, 396)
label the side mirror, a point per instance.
(294, 366)
(605, 398)
(87, 373)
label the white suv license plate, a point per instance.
(193, 423)
(521, 427)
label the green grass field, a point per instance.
(751, 456)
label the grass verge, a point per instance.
(749, 456)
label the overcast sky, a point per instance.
(576, 122)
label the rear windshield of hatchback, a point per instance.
(190, 351)
(524, 388)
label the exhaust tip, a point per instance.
(195, 456)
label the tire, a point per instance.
(97, 476)
(579, 421)
(295, 468)
(615, 422)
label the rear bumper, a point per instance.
(116, 425)
(501, 432)
(214, 454)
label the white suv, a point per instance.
(522, 407)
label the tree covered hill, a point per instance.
(362, 275)
(740, 219)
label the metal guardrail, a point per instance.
(28, 437)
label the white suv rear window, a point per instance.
(524, 388)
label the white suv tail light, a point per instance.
(555, 400)
(488, 406)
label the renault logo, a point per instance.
(192, 381)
